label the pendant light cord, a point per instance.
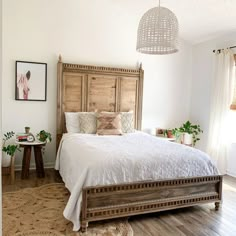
(159, 3)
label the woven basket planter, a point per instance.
(6, 170)
(10, 170)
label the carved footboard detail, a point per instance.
(105, 202)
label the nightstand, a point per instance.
(37, 146)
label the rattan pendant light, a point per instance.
(158, 32)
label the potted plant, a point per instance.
(27, 130)
(189, 133)
(169, 133)
(8, 150)
(44, 136)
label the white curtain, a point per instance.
(221, 97)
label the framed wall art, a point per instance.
(31, 81)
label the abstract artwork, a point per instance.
(31, 81)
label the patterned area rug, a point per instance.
(38, 211)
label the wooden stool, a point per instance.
(37, 146)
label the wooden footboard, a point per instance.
(112, 201)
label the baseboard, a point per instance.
(47, 165)
(231, 173)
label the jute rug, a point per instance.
(38, 211)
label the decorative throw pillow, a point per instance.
(127, 122)
(87, 122)
(109, 123)
(72, 122)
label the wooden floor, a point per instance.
(192, 221)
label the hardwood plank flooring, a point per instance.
(51, 176)
(201, 220)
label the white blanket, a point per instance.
(90, 160)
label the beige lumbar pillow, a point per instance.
(109, 123)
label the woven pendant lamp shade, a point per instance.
(158, 32)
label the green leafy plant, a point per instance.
(189, 128)
(10, 149)
(44, 136)
(168, 133)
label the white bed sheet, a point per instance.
(90, 160)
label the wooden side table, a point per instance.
(37, 146)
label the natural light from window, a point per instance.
(232, 126)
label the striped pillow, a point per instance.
(109, 123)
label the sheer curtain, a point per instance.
(218, 137)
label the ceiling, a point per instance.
(199, 20)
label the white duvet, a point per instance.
(89, 160)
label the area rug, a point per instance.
(39, 211)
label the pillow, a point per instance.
(72, 122)
(127, 122)
(109, 123)
(88, 122)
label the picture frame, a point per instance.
(30, 81)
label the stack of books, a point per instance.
(21, 137)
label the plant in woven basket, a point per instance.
(10, 149)
(44, 136)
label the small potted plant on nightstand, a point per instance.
(169, 133)
(27, 129)
(189, 133)
(44, 136)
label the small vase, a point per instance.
(27, 130)
(187, 139)
(6, 159)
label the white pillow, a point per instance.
(127, 122)
(72, 122)
(88, 122)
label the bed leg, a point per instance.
(84, 226)
(217, 206)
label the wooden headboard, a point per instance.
(89, 88)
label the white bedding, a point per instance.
(89, 160)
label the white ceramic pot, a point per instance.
(6, 159)
(187, 139)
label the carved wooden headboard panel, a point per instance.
(90, 88)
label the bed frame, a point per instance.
(90, 88)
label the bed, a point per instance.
(103, 172)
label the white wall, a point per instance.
(99, 32)
(167, 88)
(202, 87)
